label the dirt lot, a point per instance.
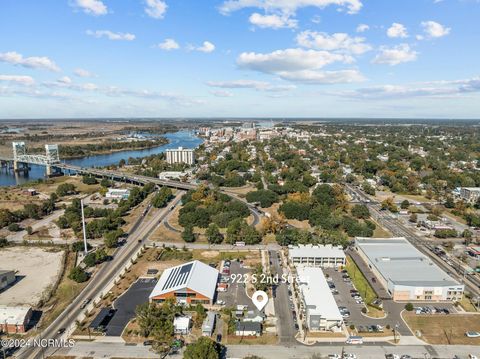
(440, 329)
(38, 269)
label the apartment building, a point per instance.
(180, 155)
(323, 256)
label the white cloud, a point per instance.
(300, 65)
(83, 73)
(18, 79)
(93, 7)
(272, 21)
(168, 44)
(111, 35)
(362, 28)
(206, 47)
(397, 30)
(65, 80)
(316, 19)
(323, 77)
(155, 8)
(34, 62)
(337, 41)
(438, 89)
(288, 6)
(251, 84)
(395, 55)
(221, 93)
(433, 29)
(289, 60)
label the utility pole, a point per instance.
(83, 227)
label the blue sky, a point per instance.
(239, 58)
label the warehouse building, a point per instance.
(406, 273)
(7, 277)
(14, 320)
(321, 310)
(309, 255)
(189, 283)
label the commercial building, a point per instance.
(180, 155)
(118, 193)
(309, 255)
(14, 319)
(470, 194)
(406, 273)
(189, 283)
(7, 277)
(321, 310)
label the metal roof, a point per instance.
(317, 294)
(399, 262)
(195, 275)
(320, 251)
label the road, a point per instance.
(397, 228)
(109, 270)
(285, 326)
(279, 351)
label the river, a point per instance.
(183, 139)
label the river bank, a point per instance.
(185, 139)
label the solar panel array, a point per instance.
(178, 276)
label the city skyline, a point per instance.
(237, 58)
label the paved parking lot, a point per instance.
(391, 308)
(236, 295)
(127, 303)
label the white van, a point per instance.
(354, 340)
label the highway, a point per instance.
(397, 228)
(109, 270)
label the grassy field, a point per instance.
(358, 279)
(439, 329)
(467, 305)
(362, 285)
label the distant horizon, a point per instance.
(246, 118)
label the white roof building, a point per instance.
(326, 256)
(181, 325)
(14, 319)
(190, 283)
(321, 310)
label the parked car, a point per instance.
(472, 334)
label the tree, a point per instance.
(413, 218)
(29, 230)
(213, 234)
(65, 189)
(295, 210)
(204, 348)
(162, 198)
(409, 307)
(188, 235)
(265, 197)
(445, 233)
(78, 275)
(360, 211)
(90, 260)
(405, 204)
(111, 238)
(90, 180)
(3, 242)
(14, 227)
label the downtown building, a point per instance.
(180, 155)
(405, 272)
